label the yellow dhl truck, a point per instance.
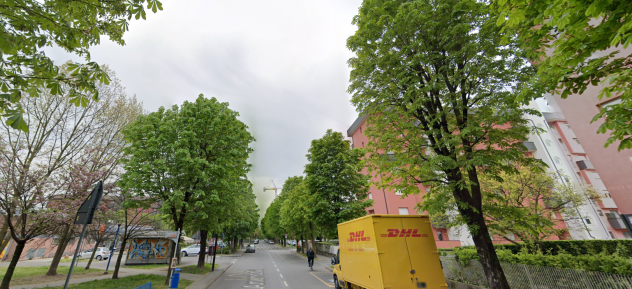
(387, 251)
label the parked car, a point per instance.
(191, 250)
(271, 242)
(256, 241)
(102, 253)
(250, 249)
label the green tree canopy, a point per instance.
(295, 213)
(522, 206)
(334, 178)
(438, 86)
(579, 44)
(28, 25)
(187, 158)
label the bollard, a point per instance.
(175, 278)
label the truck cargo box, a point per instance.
(388, 251)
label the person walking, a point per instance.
(310, 258)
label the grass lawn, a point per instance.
(195, 270)
(157, 282)
(36, 275)
(148, 266)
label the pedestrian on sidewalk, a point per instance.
(310, 257)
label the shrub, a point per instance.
(601, 262)
(579, 247)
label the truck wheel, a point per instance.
(336, 284)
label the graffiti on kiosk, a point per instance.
(148, 249)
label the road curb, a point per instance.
(220, 275)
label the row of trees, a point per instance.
(444, 85)
(48, 170)
(192, 159)
(64, 142)
(183, 168)
(333, 191)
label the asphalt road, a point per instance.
(274, 268)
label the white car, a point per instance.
(102, 254)
(191, 250)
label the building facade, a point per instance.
(559, 147)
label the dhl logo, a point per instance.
(358, 236)
(403, 233)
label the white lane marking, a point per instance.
(278, 270)
(285, 283)
(275, 265)
(281, 275)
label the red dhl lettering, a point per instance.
(403, 233)
(358, 236)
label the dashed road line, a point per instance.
(285, 283)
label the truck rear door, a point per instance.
(424, 257)
(395, 262)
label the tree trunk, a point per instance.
(485, 249)
(93, 253)
(203, 248)
(120, 256)
(59, 253)
(14, 262)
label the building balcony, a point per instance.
(530, 146)
(608, 203)
(585, 165)
(615, 221)
(553, 116)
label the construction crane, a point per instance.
(274, 188)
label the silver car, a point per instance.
(102, 253)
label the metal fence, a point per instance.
(522, 276)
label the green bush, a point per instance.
(602, 262)
(578, 247)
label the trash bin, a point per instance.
(175, 278)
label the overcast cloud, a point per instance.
(280, 63)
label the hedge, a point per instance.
(578, 247)
(602, 262)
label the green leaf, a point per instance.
(16, 121)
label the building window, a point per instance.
(440, 235)
(548, 142)
(362, 144)
(599, 212)
(611, 235)
(399, 192)
(403, 211)
(588, 221)
(371, 212)
(557, 160)
(577, 141)
(370, 196)
(627, 235)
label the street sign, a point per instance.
(86, 210)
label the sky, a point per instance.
(282, 64)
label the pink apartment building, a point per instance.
(390, 202)
(607, 170)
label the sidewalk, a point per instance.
(200, 281)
